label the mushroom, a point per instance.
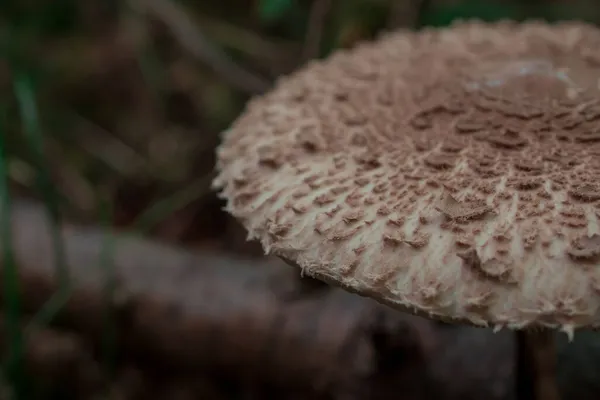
(453, 173)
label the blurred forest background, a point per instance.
(110, 112)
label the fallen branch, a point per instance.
(182, 312)
(256, 326)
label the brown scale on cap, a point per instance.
(453, 172)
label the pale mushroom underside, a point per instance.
(451, 172)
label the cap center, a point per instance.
(536, 78)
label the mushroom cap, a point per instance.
(452, 173)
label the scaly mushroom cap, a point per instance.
(454, 173)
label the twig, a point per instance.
(408, 14)
(195, 42)
(314, 33)
(422, 8)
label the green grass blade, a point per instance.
(156, 213)
(25, 94)
(107, 265)
(272, 10)
(13, 364)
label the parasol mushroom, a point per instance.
(452, 173)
